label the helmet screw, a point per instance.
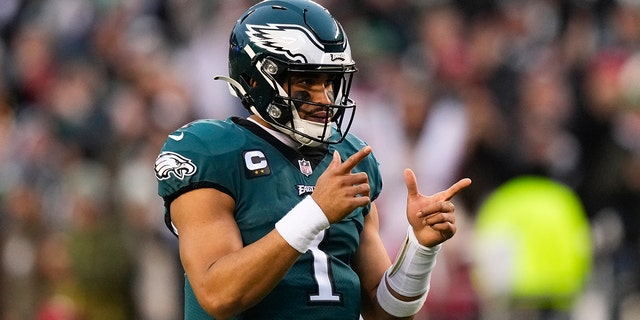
(270, 67)
(274, 111)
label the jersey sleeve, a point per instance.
(199, 155)
(375, 176)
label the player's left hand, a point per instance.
(432, 217)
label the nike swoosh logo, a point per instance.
(177, 137)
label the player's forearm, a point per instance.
(241, 279)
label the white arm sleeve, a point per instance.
(410, 276)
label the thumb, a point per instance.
(336, 159)
(411, 182)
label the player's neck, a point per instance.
(260, 121)
(284, 138)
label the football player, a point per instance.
(274, 213)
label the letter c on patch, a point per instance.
(256, 164)
(255, 160)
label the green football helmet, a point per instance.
(276, 38)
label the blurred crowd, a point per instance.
(486, 89)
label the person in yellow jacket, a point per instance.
(532, 249)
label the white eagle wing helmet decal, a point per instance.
(296, 43)
(171, 163)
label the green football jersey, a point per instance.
(266, 179)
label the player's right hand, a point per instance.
(338, 191)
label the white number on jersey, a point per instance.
(321, 273)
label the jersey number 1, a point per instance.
(321, 273)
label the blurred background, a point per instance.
(537, 101)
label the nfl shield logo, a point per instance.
(305, 167)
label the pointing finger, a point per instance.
(352, 161)
(454, 189)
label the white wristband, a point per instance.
(395, 306)
(302, 224)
